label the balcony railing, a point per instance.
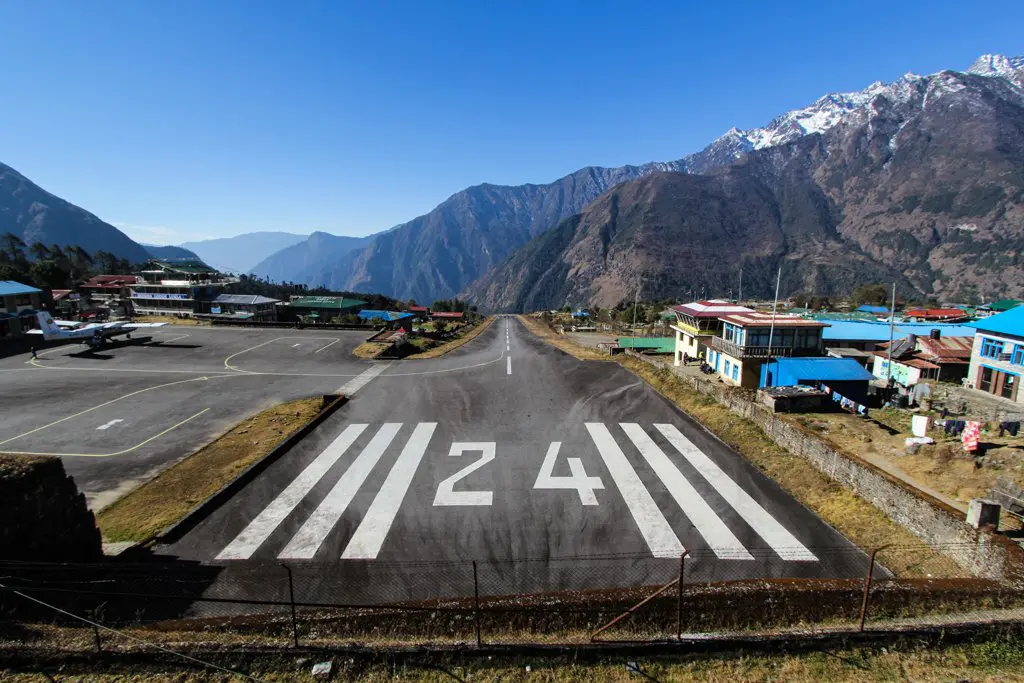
(737, 351)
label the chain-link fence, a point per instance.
(698, 595)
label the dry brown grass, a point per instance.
(174, 492)
(857, 519)
(995, 658)
(369, 350)
(455, 343)
(537, 326)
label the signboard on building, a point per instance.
(215, 310)
(157, 295)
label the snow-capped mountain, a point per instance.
(835, 108)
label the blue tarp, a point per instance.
(792, 371)
(12, 288)
(383, 315)
(873, 309)
(1011, 322)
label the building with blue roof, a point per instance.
(880, 310)
(18, 305)
(997, 357)
(867, 335)
(844, 375)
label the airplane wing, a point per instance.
(136, 326)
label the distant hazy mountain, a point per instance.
(35, 215)
(442, 252)
(163, 252)
(240, 253)
(918, 181)
(310, 261)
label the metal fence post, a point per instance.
(476, 606)
(867, 588)
(679, 599)
(291, 600)
(96, 639)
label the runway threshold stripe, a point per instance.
(708, 524)
(361, 380)
(260, 528)
(777, 536)
(653, 526)
(311, 536)
(369, 536)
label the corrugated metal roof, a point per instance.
(244, 299)
(944, 348)
(824, 369)
(658, 344)
(710, 309)
(873, 309)
(758, 319)
(863, 330)
(11, 288)
(332, 302)
(1011, 322)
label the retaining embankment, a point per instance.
(43, 517)
(981, 552)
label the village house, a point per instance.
(697, 322)
(928, 358)
(997, 355)
(748, 340)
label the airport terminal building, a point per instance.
(181, 288)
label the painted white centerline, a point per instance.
(653, 526)
(295, 345)
(260, 528)
(708, 524)
(781, 541)
(109, 424)
(508, 371)
(369, 536)
(311, 536)
(361, 380)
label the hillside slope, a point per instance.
(306, 261)
(35, 215)
(922, 185)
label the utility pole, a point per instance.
(739, 297)
(636, 297)
(771, 330)
(892, 328)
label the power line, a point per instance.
(131, 637)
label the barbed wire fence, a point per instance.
(597, 599)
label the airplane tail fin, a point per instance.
(46, 324)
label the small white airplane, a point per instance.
(94, 334)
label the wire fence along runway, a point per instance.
(113, 606)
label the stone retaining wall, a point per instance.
(43, 517)
(983, 553)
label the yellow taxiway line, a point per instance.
(111, 455)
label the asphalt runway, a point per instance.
(551, 473)
(121, 414)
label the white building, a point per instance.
(997, 357)
(750, 339)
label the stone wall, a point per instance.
(43, 517)
(983, 553)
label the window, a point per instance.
(727, 366)
(990, 348)
(728, 333)
(736, 372)
(1018, 355)
(757, 337)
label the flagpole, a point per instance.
(771, 330)
(636, 298)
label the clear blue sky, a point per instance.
(200, 118)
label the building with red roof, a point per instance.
(929, 315)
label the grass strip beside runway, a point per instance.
(455, 343)
(857, 519)
(167, 498)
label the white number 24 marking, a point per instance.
(446, 495)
